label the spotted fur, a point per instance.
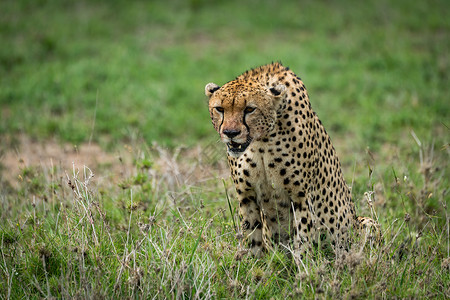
(288, 178)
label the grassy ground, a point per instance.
(124, 74)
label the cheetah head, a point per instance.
(244, 111)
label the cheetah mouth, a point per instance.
(237, 148)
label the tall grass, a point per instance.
(64, 235)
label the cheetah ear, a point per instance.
(210, 88)
(278, 93)
(278, 90)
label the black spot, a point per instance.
(257, 224)
(301, 194)
(284, 205)
(275, 92)
(276, 236)
(246, 173)
(304, 220)
(246, 225)
(245, 201)
(271, 165)
(283, 172)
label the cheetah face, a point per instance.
(242, 112)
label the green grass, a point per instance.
(133, 72)
(71, 236)
(382, 65)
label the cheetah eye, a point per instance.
(249, 109)
(219, 109)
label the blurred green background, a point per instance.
(374, 69)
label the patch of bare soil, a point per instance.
(50, 154)
(182, 166)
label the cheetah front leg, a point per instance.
(251, 224)
(304, 227)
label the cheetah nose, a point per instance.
(231, 133)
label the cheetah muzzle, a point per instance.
(236, 149)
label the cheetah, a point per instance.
(288, 178)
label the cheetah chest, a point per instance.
(257, 177)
